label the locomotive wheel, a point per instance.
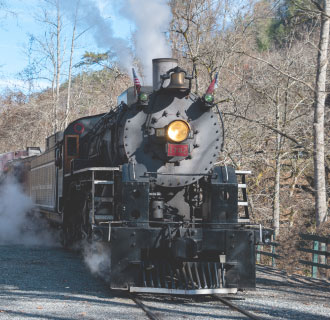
(66, 236)
(85, 227)
(71, 231)
(72, 223)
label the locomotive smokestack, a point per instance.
(160, 67)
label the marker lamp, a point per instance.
(143, 97)
(208, 98)
(178, 130)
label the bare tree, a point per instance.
(46, 53)
(196, 34)
(73, 39)
(57, 74)
(318, 125)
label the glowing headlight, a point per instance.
(178, 130)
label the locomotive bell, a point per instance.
(177, 81)
(160, 67)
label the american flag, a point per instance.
(137, 84)
(213, 85)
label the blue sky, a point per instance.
(14, 30)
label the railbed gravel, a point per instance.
(52, 283)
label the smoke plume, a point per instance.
(151, 19)
(19, 224)
(90, 16)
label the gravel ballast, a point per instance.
(52, 283)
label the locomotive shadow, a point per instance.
(300, 286)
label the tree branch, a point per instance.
(266, 126)
(278, 69)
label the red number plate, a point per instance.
(177, 150)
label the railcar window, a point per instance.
(72, 146)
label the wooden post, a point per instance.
(258, 254)
(315, 259)
(327, 260)
(273, 252)
(323, 260)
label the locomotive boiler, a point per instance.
(142, 179)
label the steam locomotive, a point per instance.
(142, 180)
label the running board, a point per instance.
(181, 291)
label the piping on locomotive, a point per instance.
(141, 178)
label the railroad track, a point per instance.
(228, 303)
(147, 310)
(151, 315)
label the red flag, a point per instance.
(213, 84)
(137, 84)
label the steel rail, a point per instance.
(146, 309)
(237, 308)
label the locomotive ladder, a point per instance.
(243, 201)
(98, 179)
(101, 206)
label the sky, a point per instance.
(110, 24)
(14, 37)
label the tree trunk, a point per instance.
(318, 125)
(67, 109)
(58, 63)
(54, 112)
(276, 207)
(276, 204)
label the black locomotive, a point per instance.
(141, 178)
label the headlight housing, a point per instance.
(178, 130)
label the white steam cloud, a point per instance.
(97, 258)
(19, 224)
(151, 19)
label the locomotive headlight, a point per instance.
(178, 130)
